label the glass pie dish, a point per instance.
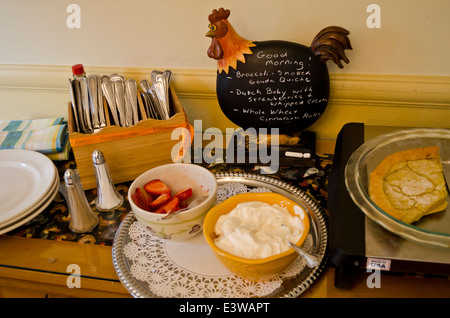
(432, 229)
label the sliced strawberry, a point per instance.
(184, 194)
(156, 186)
(160, 200)
(139, 201)
(147, 197)
(183, 204)
(170, 206)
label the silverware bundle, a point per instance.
(88, 115)
(155, 97)
(121, 96)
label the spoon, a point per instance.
(101, 110)
(108, 91)
(131, 97)
(312, 260)
(145, 85)
(160, 81)
(191, 205)
(93, 101)
(119, 93)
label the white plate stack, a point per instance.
(29, 181)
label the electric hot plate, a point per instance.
(363, 237)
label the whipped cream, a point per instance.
(255, 230)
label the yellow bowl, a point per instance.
(254, 269)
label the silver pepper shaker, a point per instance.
(108, 198)
(82, 218)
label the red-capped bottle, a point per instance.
(78, 70)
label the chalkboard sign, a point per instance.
(281, 85)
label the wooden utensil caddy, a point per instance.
(128, 151)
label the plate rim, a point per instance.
(38, 203)
(33, 213)
(44, 187)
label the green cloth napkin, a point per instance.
(48, 136)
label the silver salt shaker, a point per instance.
(108, 198)
(82, 218)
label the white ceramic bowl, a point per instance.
(177, 176)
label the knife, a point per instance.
(79, 106)
(147, 105)
(152, 106)
(74, 105)
(85, 104)
(155, 103)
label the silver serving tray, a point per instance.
(292, 287)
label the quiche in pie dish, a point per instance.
(409, 184)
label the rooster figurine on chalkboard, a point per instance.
(273, 84)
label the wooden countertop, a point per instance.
(39, 268)
(32, 267)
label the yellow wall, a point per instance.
(399, 74)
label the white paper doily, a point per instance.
(190, 269)
(229, 189)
